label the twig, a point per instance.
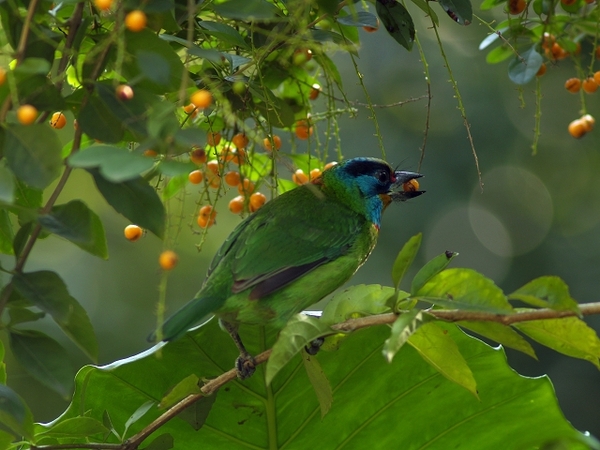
(452, 315)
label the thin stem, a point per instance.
(20, 53)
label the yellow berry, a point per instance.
(257, 200)
(369, 29)
(133, 233)
(58, 120)
(301, 56)
(314, 174)
(150, 153)
(589, 85)
(236, 205)
(198, 156)
(2, 76)
(214, 166)
(232, 178)
(246, 187)
(124, 92)
(411, 186)
(168, 259)
(190, 110)
(136, 20)
(207, 216)
(240, 140)
(577, 128)
(299, 177)
(26, 114)
(303, 129)
(329, 165)
(276, 142)
(103, 5)
(213, 139)
(541, 71)
(201, 99)
(516, 6)
(195, 177)
(573, 85)
(315, 90)
(588, 122)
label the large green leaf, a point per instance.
(7, 185)
(397, 22)
(35, 164)
(460, 11)
(14, 413)
(405, 258)
(245, 10)
(547, 292)
(43, 358)
(98, 121)
(406, 404)
(116, 164)
(77, 223)
(6, 233)
(136, 200)
(48, 292)
(523, 67)
(357, 301)
(431, 269)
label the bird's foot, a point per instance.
(314, 347)
(245, 366)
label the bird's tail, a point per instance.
(193, 312)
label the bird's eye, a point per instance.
(383, 177)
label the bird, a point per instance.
(294, 251)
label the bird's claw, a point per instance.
(314, 347)
(245, 366)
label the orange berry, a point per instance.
(314, 174)
(369, 29)
(547, 41)
(301, 56)
(213, 139)
(329, 165)
(541, 71)
(236, 205)
(315, 90)
(198, 156)
(246, 187)
(240, 140)
(257, 200)
(190, 110)
(150, 153)
(516, 6)
(214, 166)
(207, 216)
(589, 85)
(588, 122)
(239, 156)
(168, 259)
(557, 52)
(201, 98)
(136, 20)
(410, 186)
(195, 177)
(124, 92)
(226, 154)
(299, 177)
(58, 120)
(26, 114)
(232, 178)
(577, 128)
(598, 52)
(573, 85)
(597, 77)
(103, 5)
(2, 76)
(276, 141)
(133, 233)
(214, 181)
(303, 129)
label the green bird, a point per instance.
(294, 251)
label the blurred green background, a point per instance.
(537, 215)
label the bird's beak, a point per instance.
(400, 191)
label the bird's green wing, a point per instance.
(300, 231)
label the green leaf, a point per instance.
(403, 328)
(77, 223)
(460, 11)
(569, 336)
(547, 292)
(523, 68)
(14, 413)
(174, 185)
(397, 22)
(370, 395)
(357, 301)
(431, 269)
(329, 68)
(228, 35)
(502, 334)
(300, 331)
(360, 19)
(145, 43)
(405, 258)
(319, 382)
(98, 121)
(426, 8)
(6, 233)
(245, 10)
(164, 441)
(116, 164)
(73, 428)
(492, 37)
(35, 164)
(21, 315)
(48, 292)
(499, 54)
(7, 185)
(176, 168)
(197, 414)
(439, 349)
(464, 289)
(44, 359)
(188, 386)
(138, 414)
(2, 364)
(134, 199)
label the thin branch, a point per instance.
(452, 315)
